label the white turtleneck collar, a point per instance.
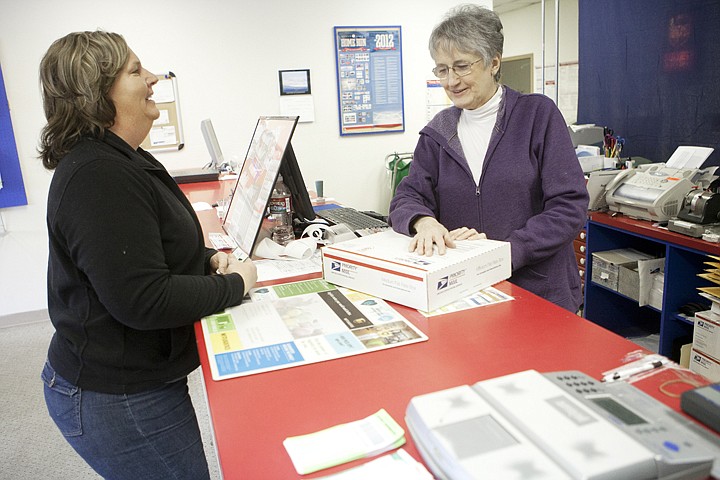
(475, 129)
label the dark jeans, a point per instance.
(152, 434)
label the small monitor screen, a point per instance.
(618, 410)
(256, 180)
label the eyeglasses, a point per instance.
(461, 69)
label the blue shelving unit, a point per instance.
(684, 257)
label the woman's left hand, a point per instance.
(465, 233)
(219, 263)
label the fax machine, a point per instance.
(561, 425)
(654, 191)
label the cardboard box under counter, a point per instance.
(706, 333)
(380, 265)
(606, 265)
(637, 279)
(705, 365)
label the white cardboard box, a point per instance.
(706, 333)
(381, 265)
(591, 163)
(606, 265)
(704, 365)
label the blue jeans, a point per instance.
(152, 434)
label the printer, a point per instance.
(654, 191)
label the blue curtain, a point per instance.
(12, 192)
(650, 70)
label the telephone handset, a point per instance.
(619, 178)
(597, 187)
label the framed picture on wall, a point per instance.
(370, 79)
(294, 82)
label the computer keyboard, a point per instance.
(356, 221)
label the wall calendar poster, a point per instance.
(369, 77)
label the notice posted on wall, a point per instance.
(299, 323)
(369, 76)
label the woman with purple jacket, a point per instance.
(497, 163)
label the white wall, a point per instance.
(226, 55)
(523, 32)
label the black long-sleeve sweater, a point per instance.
(128, 272)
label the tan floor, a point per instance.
(32, 448)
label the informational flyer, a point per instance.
(299, 323)
(486, 296)
(370, 81)
(436, 99)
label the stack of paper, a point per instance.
(343, 443)
(712, 274)
(705, 350)
(396, 465)
(689, 157)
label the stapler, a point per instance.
(700, 206)
(700, 209)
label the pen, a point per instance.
(624, 374)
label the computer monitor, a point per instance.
(211, 141)
(269, 153)
(210, 172)
(292, 177)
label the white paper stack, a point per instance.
(344, 443)
(396, 465)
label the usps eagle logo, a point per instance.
(442, 283)
(335, 266)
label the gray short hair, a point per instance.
(469, 28)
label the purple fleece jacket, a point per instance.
(532, 191)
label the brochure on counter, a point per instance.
(486, 296)
(299, 323)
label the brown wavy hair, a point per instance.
(76, 74)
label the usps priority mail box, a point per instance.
(705, 365)
(706, 333)
(380, 265)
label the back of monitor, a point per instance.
(211, 141)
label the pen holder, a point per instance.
(610, 162)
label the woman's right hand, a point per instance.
(430, 232)
(247, 270)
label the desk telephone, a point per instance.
(652, 192)
(561, 425)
